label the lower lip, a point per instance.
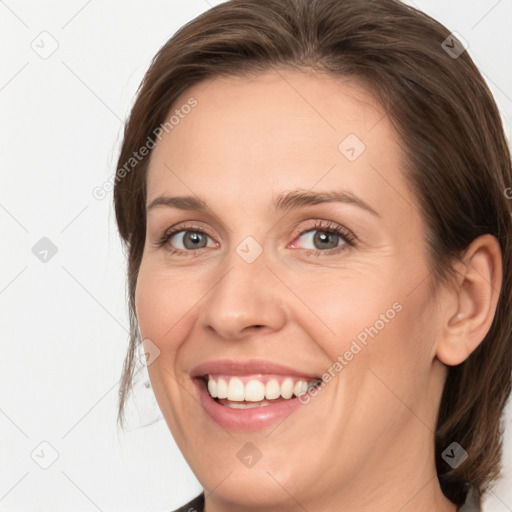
(255, 418)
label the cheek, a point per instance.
(162, 302)
(373, 320)
(401, 353)
(163, 309)
(347, 309)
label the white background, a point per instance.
(64, 323)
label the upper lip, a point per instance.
(247, 367)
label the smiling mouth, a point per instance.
(247, 392)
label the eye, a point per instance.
(185, 240)
(326, 237)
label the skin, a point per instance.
(366, 441)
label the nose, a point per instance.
(245, 298)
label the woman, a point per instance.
(313, 198)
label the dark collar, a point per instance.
(196, 505)
(472, 503)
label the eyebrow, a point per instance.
(284, 202)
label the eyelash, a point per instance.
(323, 226)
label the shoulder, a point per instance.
(196, 505)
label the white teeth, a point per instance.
(235, 390)
(255, 390)
(251, 405)
(222, 389)
(298, 388)
(272, 389)
(287, 388)
(212, 388)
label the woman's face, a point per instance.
(259, 277)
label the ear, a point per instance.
(469, 307)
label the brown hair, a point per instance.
(458, 163)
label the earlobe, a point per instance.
(471, 303)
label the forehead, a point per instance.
(248, 138)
